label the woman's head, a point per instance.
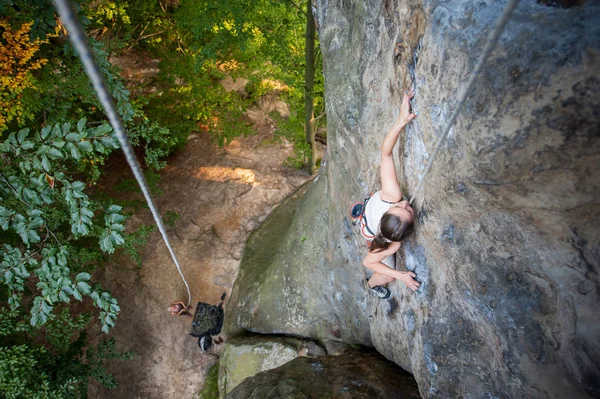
(396, 224)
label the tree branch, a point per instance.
(298, 7)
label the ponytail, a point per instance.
(391, 229)
(379, 243)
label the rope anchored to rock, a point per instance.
(79, 41)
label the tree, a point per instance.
(309, 81)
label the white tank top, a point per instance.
(375, 210)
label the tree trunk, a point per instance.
(309, 81)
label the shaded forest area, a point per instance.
(54, 141)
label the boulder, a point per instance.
(287, 284)
(245, 356)
(356, 375)
(507, 238)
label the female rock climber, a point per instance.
(388, 217)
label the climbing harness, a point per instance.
(489, 46)
(359, 216)
(79, 41)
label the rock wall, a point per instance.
(357, 375)
(507, 241)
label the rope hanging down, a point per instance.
(489, 46)
(79, 40)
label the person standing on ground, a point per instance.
(387, 217)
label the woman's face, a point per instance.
(403, 210)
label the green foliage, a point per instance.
(136, 240)
(292, 129)
(63, 91)
(56, 366)
(132, 186)
(201, 43)
(211, 384)
(261, 40)
(170, 218)
(33, 180)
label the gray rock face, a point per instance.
(356, 375)
(507, 241)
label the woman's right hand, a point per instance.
(405, 115)
(407, 278)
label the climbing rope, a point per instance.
(79, 41)
(489, 46)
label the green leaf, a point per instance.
(106, 244)
(66, 128)
(45, 131)
(46, 308)
(113, 209)
(102, 130)
(64, 297)
(78, 185)
(72, 137)
(22, 134)
(82, 277)
(36, 163)
(33, 236)
(110, 142)
(8, 275)
(117, 227)
(84, 287)
(27, 145)
(46, 163)
(75, 152)
(35, 213)
(116, 237)
(85, 146)
(55, 154)
(77, 295)
(81, 124)
(98, 147)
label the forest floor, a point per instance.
(219, 195)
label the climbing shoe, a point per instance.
(381, 291)
(205, 342)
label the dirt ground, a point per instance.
(220, 195)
